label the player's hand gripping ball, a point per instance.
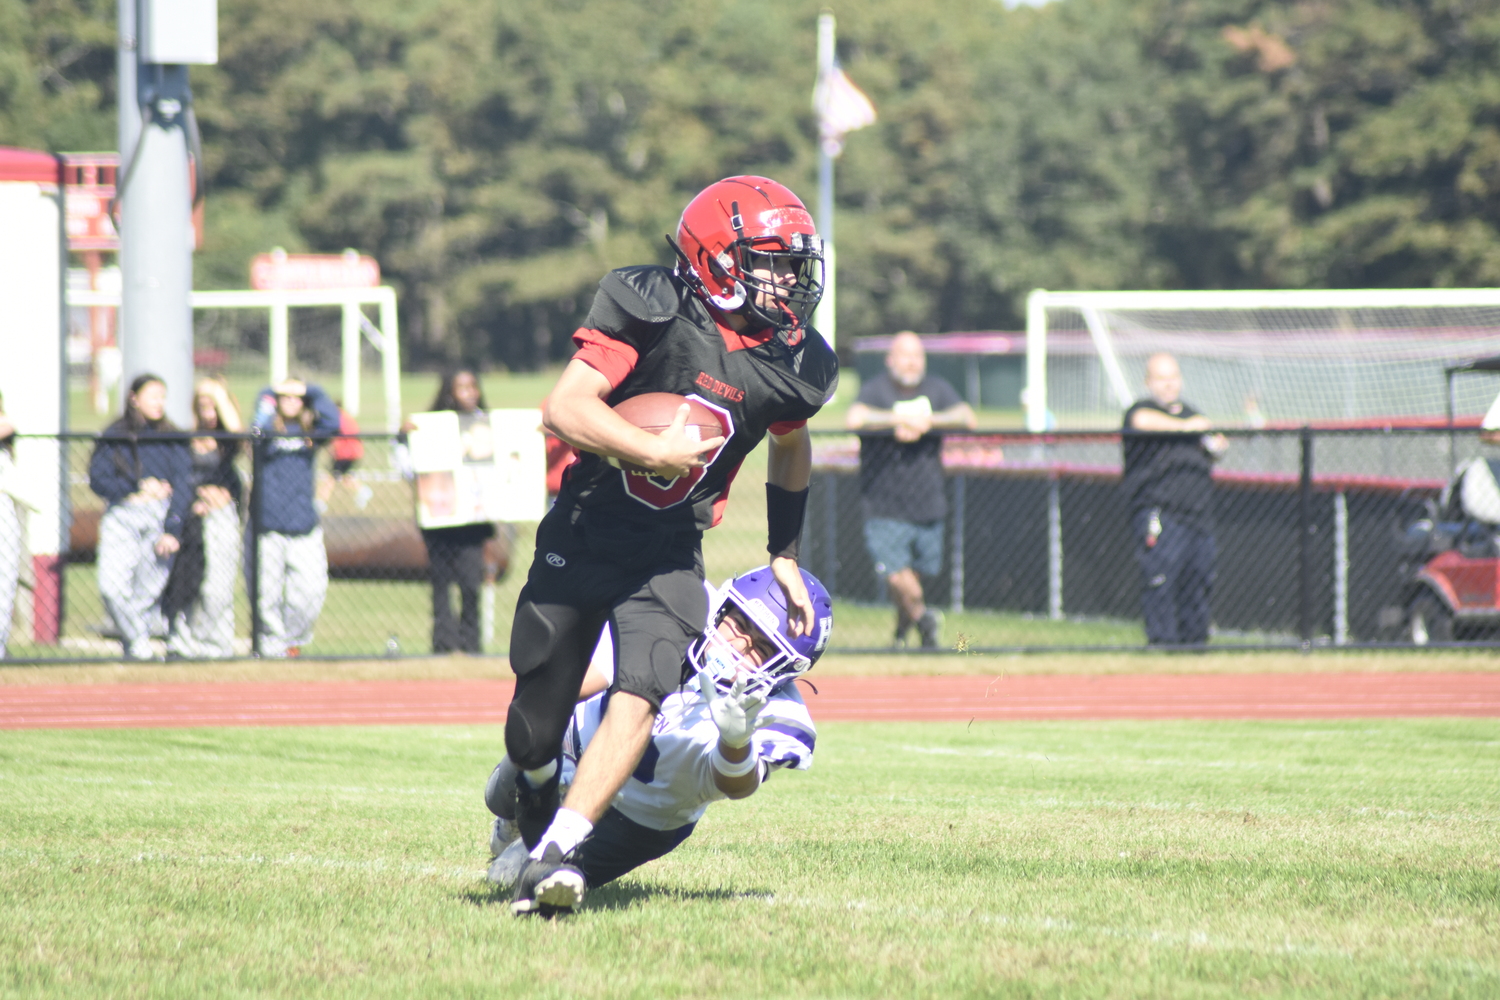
(654, 411)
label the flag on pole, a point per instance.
(842, 107)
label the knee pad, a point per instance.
(532, 637)
(527, 744)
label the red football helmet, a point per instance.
(743, 225)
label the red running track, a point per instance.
(890, 699)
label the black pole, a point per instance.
(1305, 498)
(831, 531)
(252, 551)
(1452, 436)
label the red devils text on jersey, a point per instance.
(649, 313)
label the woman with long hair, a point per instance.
(456, 555)
(10, 527)
(296, 418)
(200, 594)
(144, 472)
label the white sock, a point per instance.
(567, 831)
(536, 779)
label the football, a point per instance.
(653, 412)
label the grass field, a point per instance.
(1041, 860)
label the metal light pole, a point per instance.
(157, 41)
(826, 320)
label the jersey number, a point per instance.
(659, 492)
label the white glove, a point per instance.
(734, 713)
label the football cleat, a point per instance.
(505, 869)
(548, 887)
(502, 835)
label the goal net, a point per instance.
(346, 338)
(1255, 359)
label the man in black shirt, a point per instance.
(1169, 454)
(901, 476)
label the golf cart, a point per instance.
(1451, 594)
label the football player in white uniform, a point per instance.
(717, 736)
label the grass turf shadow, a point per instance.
(618, 896)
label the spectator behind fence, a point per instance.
(901, 477)
(344, 454)
(10, 527)
(456, 555)
(293, 563)
(147, 479)
(1169, 456)
(199, 599)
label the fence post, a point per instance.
(1305, 523)
(957, 584)
(1054, 548)
(1340, 569)
(252, 551)
(831, 532)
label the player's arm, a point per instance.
(575, 411)
(788, 472)
(740, 786)
(734, 762)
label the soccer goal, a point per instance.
(345, 345)
(1258, 358)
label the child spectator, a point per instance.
(147, 478)
(199, 600)
(293, 564)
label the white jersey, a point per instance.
(673, 784)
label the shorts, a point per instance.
(895, 545)
(646, 586)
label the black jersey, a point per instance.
(680, 349)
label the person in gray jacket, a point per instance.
(142, 468)
(295, 418)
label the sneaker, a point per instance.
(536, 807)
(140, 649)
(550, 887)
(903, 626)
(930, 625)
(505, 868)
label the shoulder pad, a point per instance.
(647, 293)
(817, 364)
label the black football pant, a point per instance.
(619, 844)
(1177, 578)
(590, 572)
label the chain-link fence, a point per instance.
(1324, 537)
(326, 561)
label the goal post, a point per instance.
(384, 335)
(1253, 357)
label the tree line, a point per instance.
(497, 158)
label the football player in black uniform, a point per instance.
(621, 548)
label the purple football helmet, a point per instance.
(758, 599)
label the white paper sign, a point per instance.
(473, 468)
